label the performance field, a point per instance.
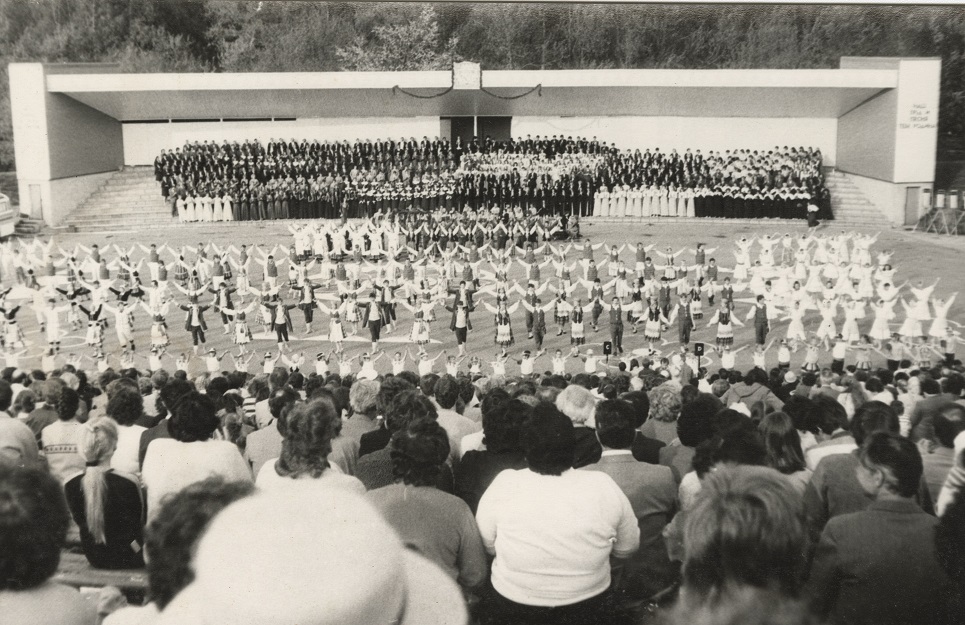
(916, 259)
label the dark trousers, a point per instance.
(460, 336)
(197, 334)
(685, 334)
(760, 333)
(616, 335)
(498, 610)
(530, 318)
(837, 366)
(375, 329)
(281, 332)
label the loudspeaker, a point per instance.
(607, 348)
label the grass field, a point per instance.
(916, 257)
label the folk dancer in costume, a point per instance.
(502, 319)
(759, 314)
(725, 320)
(538, 310)
(194, 322)
(242, 334)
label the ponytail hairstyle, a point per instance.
(97, 442)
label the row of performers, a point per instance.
(725, 202)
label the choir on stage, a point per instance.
(301, 179)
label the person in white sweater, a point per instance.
(192, 455)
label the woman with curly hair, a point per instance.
(436, 524)
(307, 430)
(665, 405)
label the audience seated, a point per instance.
(652, 492)
(339, 563)
(720, 515)
(503, 419)
(106, 503)
(744, 533)
(879, 565)
(307, 431)
(18, 445)
(375, 469)
(171, 539)
(435, 524)
(553, 531)
(33, 530)
(192, 454)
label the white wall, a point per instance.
(680, 133)
(916, 137)
(143, 142)
(889, 197)
(60, 197)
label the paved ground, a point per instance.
(916, 256)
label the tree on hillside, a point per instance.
(412, 45)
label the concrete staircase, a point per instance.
(850, 206)
(129, 200)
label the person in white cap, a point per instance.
(326, 560)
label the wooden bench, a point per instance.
(76, 571)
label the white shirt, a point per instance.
(526, 366)
(171, 465)
(590, 365)
(425, 367)
(269, 480)
(559, 366)
(553, 535)
(125, 456)
(368, 372)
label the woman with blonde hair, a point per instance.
(106, 504)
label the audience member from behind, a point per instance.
(644, 448)
(745, 531)
(293, 561)
(834, 488)
(435, 524)
(553, 531)
(375, 469)
(947, 424)
(170, 543)
(264, 445)
(879, 566)
(501, 423)
(59, 440)
(579, 404)
(752, 390)
(783, 445)
(665, 406)
(125, 407)
(33, 530)
(106, 504)
(18, 445)
(308, 430)
(191, 455)
(652, 492)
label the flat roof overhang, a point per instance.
(820, 93)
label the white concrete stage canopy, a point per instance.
(874, 119)
(673, 93)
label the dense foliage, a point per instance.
(199, 35)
